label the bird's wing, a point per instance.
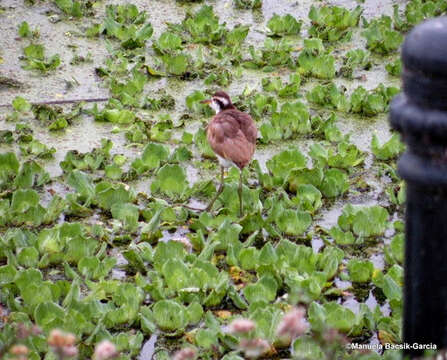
(228, 140)
(246, 123)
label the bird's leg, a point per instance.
(219, 191)
(240, 194)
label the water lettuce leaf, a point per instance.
(127, 213)
(415, 12)
(20, 104)
(380, 38)
(247, 4)
(127, 24)
(372, 102)
(262, 291)
(315, 61)
(153, 155)
(35, 59)
(329, 96)
(9, 168)
(332, 23)
(203, 26)
(291, 120)
(389, 150)
(360, 270)
(171, 180)
(167, 43)
(394, 68)
(283, 25)
(281, 164)
(355, 59)
(363, 220)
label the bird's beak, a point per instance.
(207, 101)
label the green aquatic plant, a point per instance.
(417, 11)
(283, 25)
(202, 26)
(54, 117)
(75, 8)
(364, 221)
(329, 96)
(248, 4)
(394, 68)
(380, 37)
(273, 53)
(353, 60)
(35, 59)
(290, 89)
(153, 155)
(389, 150)
(332, 23)
(98, 158)
(127, 24)
(167, 43)
(360, 270)
(315, 61)
(25, 31)
(345, 156)
(291, 120)
(372, 102)
(171, 180)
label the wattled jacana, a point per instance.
(232, 136)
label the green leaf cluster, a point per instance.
(332, 23)
(389, 150)
(372, 102)
(35, 59)
(283, 25)
(272, 54)
(291, 120)
(75, 8)
(21, 176)
(171, 181)
(127, 24)
(417, 11)
(115, 113)
(94, 160)
(345, 155)
(284, 90)
(380, 37)
(153, 155)
(261, 105)
(25, 31)
(29, 146)
(315, 61)
(203, 26)
(129, 92)
(54, 117)
(355, 59)
(248, 4)
(329, 96)
(394, 68)
(364, 221)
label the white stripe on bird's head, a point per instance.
(215, 106)
(223, 100)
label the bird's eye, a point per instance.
(218, 103)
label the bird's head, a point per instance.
(220, 101)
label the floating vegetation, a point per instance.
(102, 241)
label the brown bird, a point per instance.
(232, 136)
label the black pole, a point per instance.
(420, 115)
